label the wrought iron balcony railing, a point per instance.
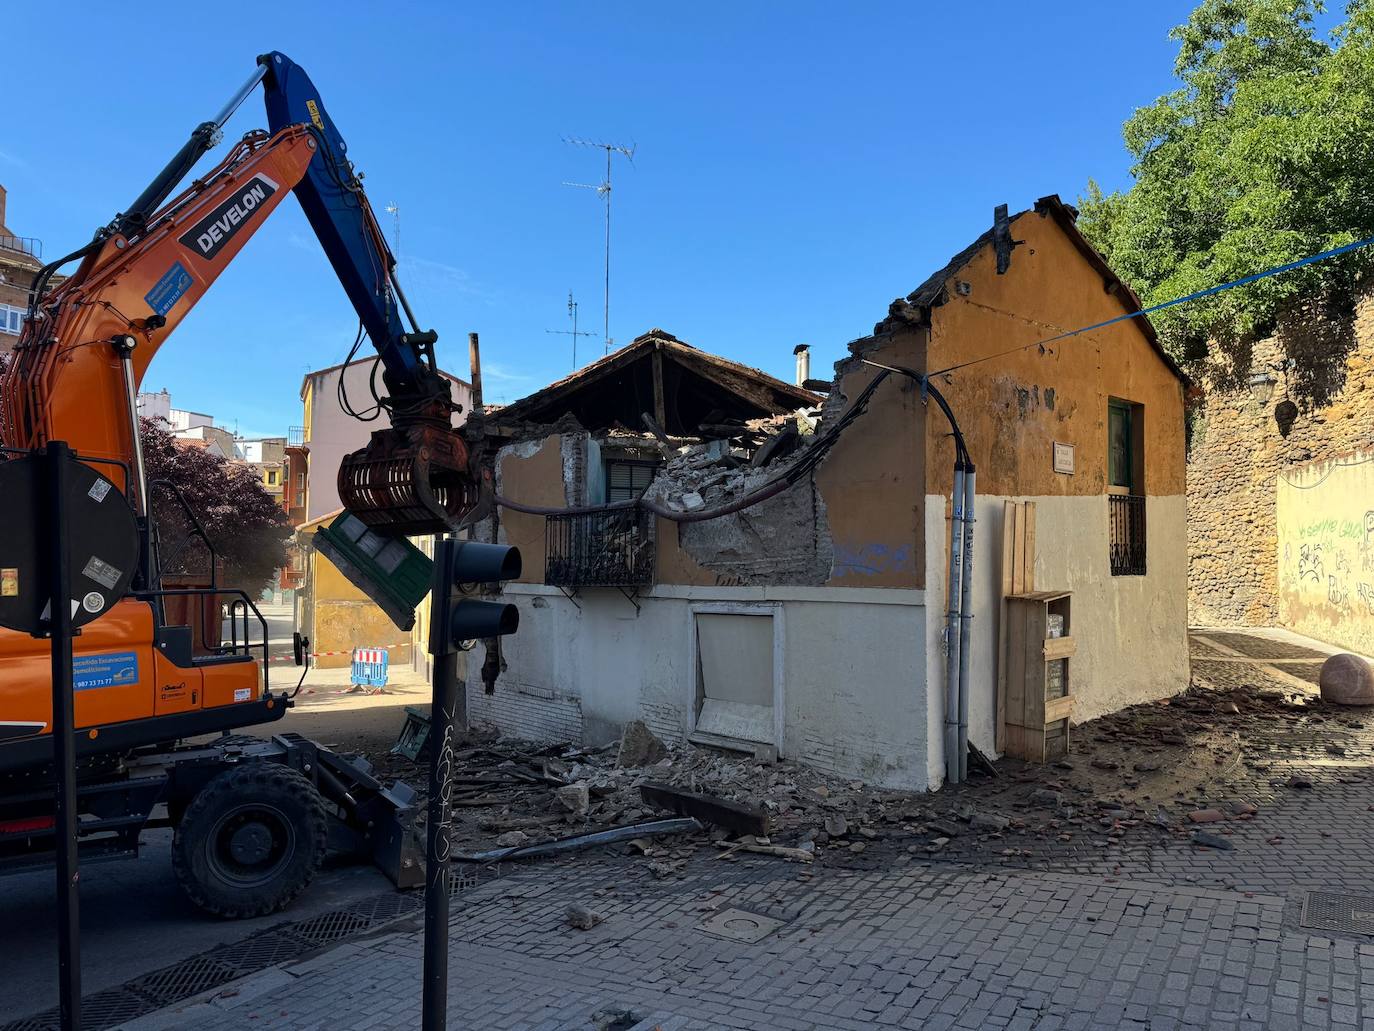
(1126, 530)
(600, 549)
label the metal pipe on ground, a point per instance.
(966, 615)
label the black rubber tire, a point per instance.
(274, 806)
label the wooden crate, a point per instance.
(1038, 676)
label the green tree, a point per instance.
(1263, 155)
(247, 528)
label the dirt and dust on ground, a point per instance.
(1180, 772)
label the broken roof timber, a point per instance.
(750, 386)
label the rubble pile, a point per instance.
(712, 472)
(1182, 772)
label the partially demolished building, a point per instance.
(749, 564)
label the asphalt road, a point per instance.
(134, 918)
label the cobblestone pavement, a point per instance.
(918, 947)
(1141, 930)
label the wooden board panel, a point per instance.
(1018, 577)
(1059, 647)
(1057, 709)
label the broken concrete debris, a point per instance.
(638, 746)
(581, 917)
(1205, 839)
(989, 822)
(575, 797)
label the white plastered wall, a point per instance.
(1131, 631)
(854, 697)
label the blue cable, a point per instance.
(1177, 300)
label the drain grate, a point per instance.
(388, 907)
(41, 1022)
(192, 977)
(740, 925)
(330, 927)
(1329, 911)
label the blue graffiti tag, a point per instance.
(872, 560)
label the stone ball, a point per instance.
(1347, 680)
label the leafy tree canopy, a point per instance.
(247, 528)
(1262, 156)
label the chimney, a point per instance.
(803, 353)
(2, 207)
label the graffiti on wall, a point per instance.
(1326, 553)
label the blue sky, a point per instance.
(798, 165)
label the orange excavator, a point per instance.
(253, 817)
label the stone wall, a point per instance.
(1236, 455)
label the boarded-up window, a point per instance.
(735, 676)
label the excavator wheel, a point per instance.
(250, 841)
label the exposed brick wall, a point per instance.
(1236, 454)
(524, 712)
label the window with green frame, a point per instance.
(1121, 445)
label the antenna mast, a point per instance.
(603, 190)
(394, 210)
(572, 314)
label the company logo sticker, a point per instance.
(112, 669)
(208, 236)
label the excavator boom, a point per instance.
(88, 342)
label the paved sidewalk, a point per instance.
(919, 947)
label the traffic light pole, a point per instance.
(434, 1002)
(452, 620)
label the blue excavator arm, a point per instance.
(339, 212)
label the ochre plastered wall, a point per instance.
(1013, 408)
(534, 476)
(872, 481)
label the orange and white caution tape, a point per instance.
(346, 651)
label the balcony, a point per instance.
(30, 245)
(295, 437)
(1126, 533)
(600, 549)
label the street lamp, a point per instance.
(1261, 386)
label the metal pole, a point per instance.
(434, 1003)
(966, 616)
(956, 544)
(64, 743)
(606, 327)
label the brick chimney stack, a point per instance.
(2, 208)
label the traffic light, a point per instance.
(456, 619)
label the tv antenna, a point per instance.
(394, 210)
(572, 314)
(603, 190)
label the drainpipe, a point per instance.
(953, 698)
(966, 615)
